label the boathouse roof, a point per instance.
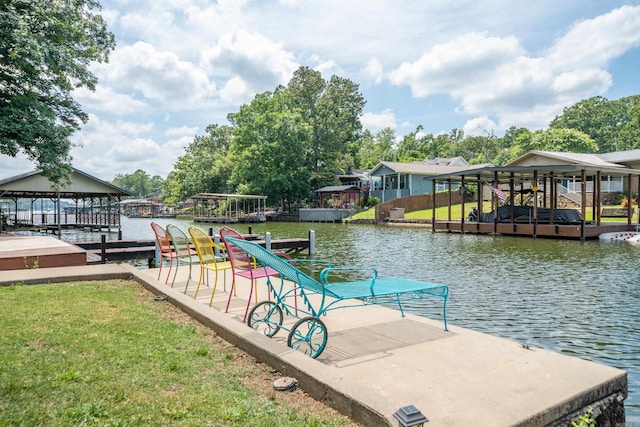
(34, 184)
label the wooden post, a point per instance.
(103, 249)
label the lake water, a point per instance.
(577, 298)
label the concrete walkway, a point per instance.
(376, 361)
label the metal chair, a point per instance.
(244, 266)
(182, 251)
(163, 240)
(206, 249)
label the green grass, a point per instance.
(107, 354)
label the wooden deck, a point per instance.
(561, 231)
(24, 252)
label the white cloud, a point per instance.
(495, 76)
(260, 62)
(592, 43)
(158, 76)
(445, 67)
(378, 121)
(479, 126)
(181, 131)
(373, 71)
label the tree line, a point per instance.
(291, 141)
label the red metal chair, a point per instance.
(242, 265)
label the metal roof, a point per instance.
(505, 173)
(34, 184)
(420, 168)
(336, 188)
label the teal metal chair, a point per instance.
(182, 252)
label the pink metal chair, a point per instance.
(242, 265)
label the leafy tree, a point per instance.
(46, 48)
(204, 168)
(332, 110)
(629, 136)
(269, 148)
(563, 140)
(139, 183)
(413, 147)
(512, 145)
(375, 148)
(601, 119)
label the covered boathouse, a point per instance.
(30, 202)
(541, 194)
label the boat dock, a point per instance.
(23, 252)
(377, 362)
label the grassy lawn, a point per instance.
(108, 354)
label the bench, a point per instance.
(309, 333)
(614, 213)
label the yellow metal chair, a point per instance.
(206, 249)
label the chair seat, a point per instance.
(258, 273)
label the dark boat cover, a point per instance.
(524, 214)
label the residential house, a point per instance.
(407, 179)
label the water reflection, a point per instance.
(578, 298)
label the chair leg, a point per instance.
(169, 272)
(215, 285)
(199, 282)
(232, 292)
(246, 311)
(175, 273)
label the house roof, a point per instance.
(622, 156)
(419, 168)
(589, 159)
(34, 184)
(337, 189)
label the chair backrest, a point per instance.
(163, 239)
(239, 259)
(283, 267)
(204, 245)
(179, 240)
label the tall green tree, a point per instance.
(415, 146)
(333, 110)
(204, 168)
(375, 148)
(138, 183)
(46, 48)
(562, 140)
(600, 118)
(269, 148)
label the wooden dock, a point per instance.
(128, 250)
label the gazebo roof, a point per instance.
(337, 189)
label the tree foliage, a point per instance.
(269, 148)
(606, 122)
(139, 183)
(286, 143)
(204, 168)
(332, 109)
(46, 48)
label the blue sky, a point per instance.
(481, 66)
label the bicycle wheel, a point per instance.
(308, 335)
(266, 316)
